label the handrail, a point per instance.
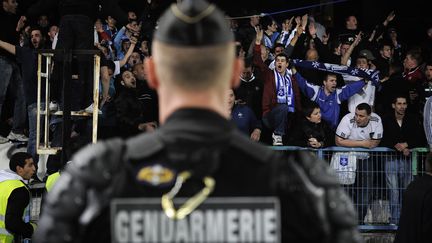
(414, 155)
(344, 149)
(74, 51)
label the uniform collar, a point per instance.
(198, 123)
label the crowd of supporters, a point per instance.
(129, 106)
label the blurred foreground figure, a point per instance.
(196, 178)
(415, 221)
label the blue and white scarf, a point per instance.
(372, 75)
(284, 90)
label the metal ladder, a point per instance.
(44, 146)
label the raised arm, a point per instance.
(123, 61)
(8, 47)
(381, 28)
(350, 89)
(346, 56)
(308, 89)
(286, 29)
(258, 62)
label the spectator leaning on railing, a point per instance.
(311, 130)
(402, 132)
(363, 128)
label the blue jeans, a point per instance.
(398, 176)
(32, 116)
(10, 75)
(277, 119)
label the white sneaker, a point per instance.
(277, 140)
(17, 137)
(3, 140)
(90, 109)
(53, 106)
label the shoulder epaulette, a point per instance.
(144, 145)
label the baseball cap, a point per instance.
(366, 53)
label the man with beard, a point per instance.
(403, 131)
(427, 84)
(148, 98)
(129, 112)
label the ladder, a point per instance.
(44, 146)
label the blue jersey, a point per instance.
(329, 104)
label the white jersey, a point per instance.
(365, 95)
(348, 128)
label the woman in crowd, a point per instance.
(312, 131)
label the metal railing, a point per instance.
(373, 178)
(379, 210)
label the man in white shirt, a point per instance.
(363, 129)
(367, 93)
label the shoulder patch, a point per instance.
(156, 175)
(352, 120)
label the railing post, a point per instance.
(320, 153)
(414, 162)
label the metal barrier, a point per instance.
(373, 178)
(380, 177)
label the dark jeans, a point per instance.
(398, 176)
(32, 116)
(277, 119)
(10, 75)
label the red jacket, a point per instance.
(269, 100)
(414, 75)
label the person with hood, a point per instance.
(15, 199)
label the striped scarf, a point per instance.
(284, 90)
(372, 75)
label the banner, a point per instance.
(369, 74)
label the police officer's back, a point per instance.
(196, 154)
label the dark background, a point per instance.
(413, 17)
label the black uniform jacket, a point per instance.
(205, 143)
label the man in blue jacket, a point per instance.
(328, 96)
